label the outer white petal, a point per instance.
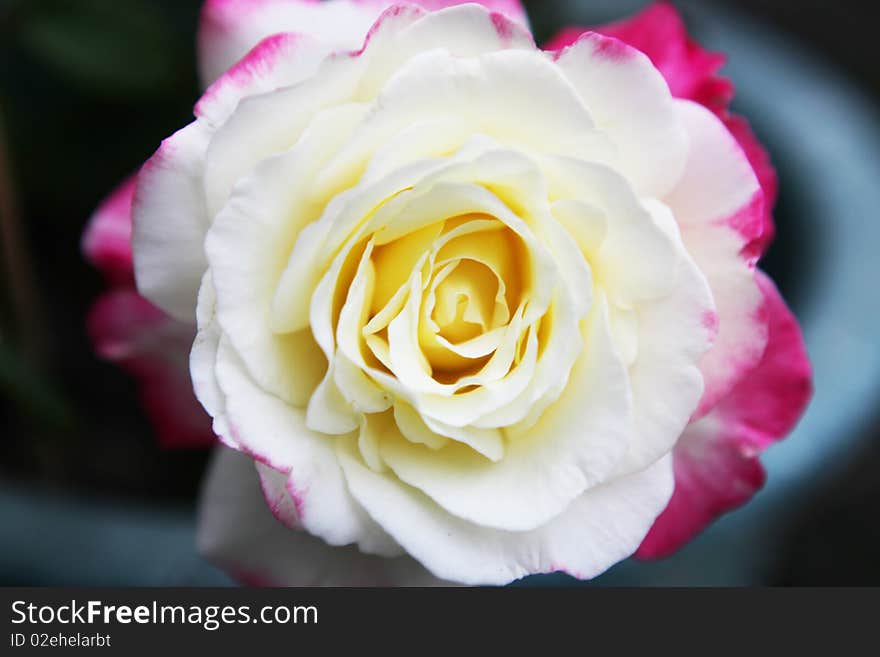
(673, 335)
(630, 101)
(271, 123)
(717, 191)
(463, 31)
(575, 444)
(281, 503)
(600, 528)
(169, 223)
(203, 359)
(275, 433)
(496, 94)
(237, 531)
(639, 260)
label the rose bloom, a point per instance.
(458, 302)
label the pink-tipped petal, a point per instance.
(230, 28)
(691, 73)
(660, 33)
(513, 9)
(279, 60)
(719, 207)
(128, 330)
(238, 533)
(712, 476)
(768, 403)
(286, 507)
(106, 242)
(766, 173)
(716, 461)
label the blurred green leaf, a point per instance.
(118, 47)
(31, 391)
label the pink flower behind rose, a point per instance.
(128, 330)
(106, 242)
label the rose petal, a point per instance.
(237, 532)
(712, 475)
(719, 207)
(275, 433)
(511, 8)
(575, 444)
(285, 507)
(106, 242)
(659, 32)
(691, 73)
(665, 376)
(169, 223)
(129, 331)
(248, 246)
(766, 173)
(629, 102)
(637, 256)
(769, 401)
(716, 462)
(229, 28)
(277, 61)
(596, 531)
(202, 361)
(635, 260)
(271, 123)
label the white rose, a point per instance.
(455, 294)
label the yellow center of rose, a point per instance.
(437, 305)
(465, 274)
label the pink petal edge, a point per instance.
(106, 242)
(716, 462)
(512, 9)
(767, 178)
(258, 61)
(279, 494)
(660, 33)
(230, 28)
(692, 73)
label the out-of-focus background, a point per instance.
(89, 87)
